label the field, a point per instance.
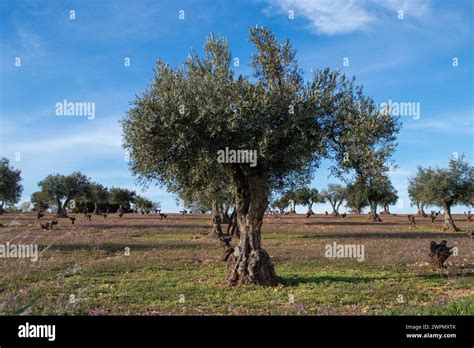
(139, 265)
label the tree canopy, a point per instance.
(445, 187)
(10, 184)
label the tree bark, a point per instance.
(233, 227)
(334, 210)
(96, 210)
(386, 209)
(373, 212)
(225, 214)
(448, 219)
(250, 263)
(61, 211)
(337, 208)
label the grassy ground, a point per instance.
(173, 268)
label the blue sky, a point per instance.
(405, 60)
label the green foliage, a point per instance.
(97, 193)
(281, 203)
(40, 200)
(356, 195)
(10, 183)
(335, 195)
(176, 127)
(143, 204)
(379, 191)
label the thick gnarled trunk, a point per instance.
(448, 219)
(373, 212)
(250, 263)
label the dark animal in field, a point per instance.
(327, 213)
(147, 212)
(308, 214)
(433, 218)
(73, 219)
(39, 215)
(142, 212)
(104, 215)
(412, 220)
(469, 217)
(343, 215)
(49, 225)
(89, 217)
(439, 253)
(163, 216)
(120, 214)
(183, 211)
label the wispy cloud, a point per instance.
(346, 16)
(447, 125)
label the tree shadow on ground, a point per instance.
(296, 280)
(115, 247)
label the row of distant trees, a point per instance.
(74, 192)
(430, 187)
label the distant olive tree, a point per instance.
(357, 195)
(122, 197)
(61, 189)
(418, 190)
(10, 184)
(335, 194)
(307, 197)
(447, 187)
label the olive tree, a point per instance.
(307, 197)
(418, 191)
(122, 197)
(142, 204)
(356, 195)
(447, 187)
(281, 204)
(177, 127)
(40, 201)
(10, 184)
(97, 193)
(335, 194)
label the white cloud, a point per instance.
(345, 16)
